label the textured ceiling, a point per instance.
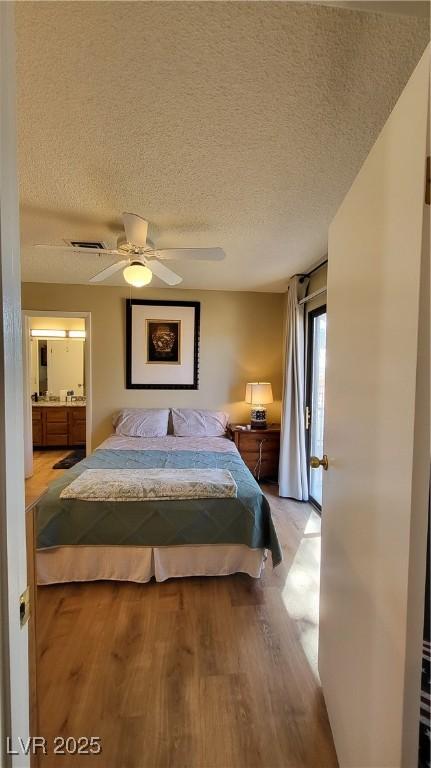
(409, 7)
(239, 125)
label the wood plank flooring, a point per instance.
(43, 472)
(191, 673)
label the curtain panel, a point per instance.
(293, 475)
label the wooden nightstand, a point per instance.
(259, 449)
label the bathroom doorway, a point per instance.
(57, 391)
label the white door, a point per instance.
(377, 442)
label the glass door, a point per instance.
(315, 398)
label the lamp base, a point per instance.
(258, 418)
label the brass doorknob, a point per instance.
(315, 462)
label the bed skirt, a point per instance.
(139, 564)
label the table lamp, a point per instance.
(258, 394)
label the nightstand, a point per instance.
(259, 449)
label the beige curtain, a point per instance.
(293, 482)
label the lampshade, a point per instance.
(137, 274)
(258, 393)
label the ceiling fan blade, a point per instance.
(69, 248)
(164, 273)
(105, 273)
(136, 229)
(204, 254)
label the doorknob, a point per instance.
(315, 462)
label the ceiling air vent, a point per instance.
(96, 244)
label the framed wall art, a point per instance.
(162, 344)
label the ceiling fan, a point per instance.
(140, 259)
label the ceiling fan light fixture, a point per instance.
(134, 251)
(137, 274)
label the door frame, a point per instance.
(14, 674)
(309, 331)
(27, 314)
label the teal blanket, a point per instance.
(245, 519)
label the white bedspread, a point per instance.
(169, 443)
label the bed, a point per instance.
(136, 540)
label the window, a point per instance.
(315, 398)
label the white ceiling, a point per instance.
(239, 125)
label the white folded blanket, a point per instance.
(148, 484)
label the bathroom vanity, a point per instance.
(59, 424)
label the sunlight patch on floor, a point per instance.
(301, 590)
(313, 523)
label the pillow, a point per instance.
(142, 422)
(189, 422)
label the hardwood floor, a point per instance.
(43, 472)
(191, 673)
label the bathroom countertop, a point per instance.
(58, 404)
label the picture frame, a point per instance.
(162, 344)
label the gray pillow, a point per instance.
(142, 422)
(190, 422)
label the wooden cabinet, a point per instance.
(259, 449)
(77, 426)
(37, 426)
(58, 425)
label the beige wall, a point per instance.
(241, 340)
(57, 323)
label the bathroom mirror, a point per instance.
(57, 366)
